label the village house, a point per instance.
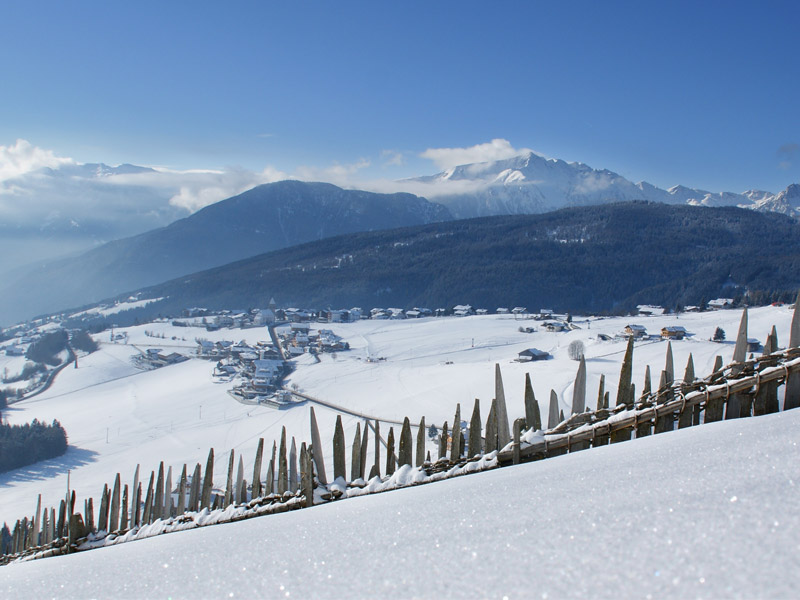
(673, 332)
(637, 331)
(532, 354)
(555, 326)
(647, 310)
(462, 310)
(519, 310)
(264, 317)
(265, 374)
(501, 311)
(720, 303)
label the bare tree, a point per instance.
(575, 350)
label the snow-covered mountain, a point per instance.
(531, 183)
(267, 217)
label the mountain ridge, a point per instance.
(530, 183)
(595, 259)
(263, 218)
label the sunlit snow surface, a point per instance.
(707, 512)
(117, 416)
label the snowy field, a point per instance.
(117, 416)
(706, 512)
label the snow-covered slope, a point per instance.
(117, 416)
(531, 183)
(706, 512)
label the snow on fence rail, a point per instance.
(297, 478)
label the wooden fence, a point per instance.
(297, 478)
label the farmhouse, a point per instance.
(462, 310)
(555, 326)
(637, 331)
(719, 303)
(532, 354)
(673, 332)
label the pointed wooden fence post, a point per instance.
(648, 386)
(133, 490)
(339, 468)
(662, 423)
(552, 414)
(239, 498)
(147, 518)
(306, 475)
(364, 444)
(182, 492)
(102, 516)
(420, 450)
(257, 469)
(739, 404)
(792, 391)
(579, 401)
(229, 482)
(194, 493)
(533, 419)
(167, 510)
(376, 466)
(713, 409)
(37, 521)
(601, 439)
(355, 455)
(208, 481)
(390, 463)
(455, 446)
(766, 400)
(159, 493)
(625, 396)
(271, 469)
(501, 412)
(491, 428)
(43, 534)
(518, 425)
(601, 392)
(283, 467)
(316, 446)
(443, 441)
(136, 508)
(685, 415)
(293, 467)
(269, 487)
(124, 512)
(666, 422)
(475, 431)
(115, 500)
(579, 389)
(405, 452)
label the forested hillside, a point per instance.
(601, 258)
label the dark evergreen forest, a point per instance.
(22, 445)
(599, 259)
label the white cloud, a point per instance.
(393, 158)
(23, 158)
(497, 149)
(342, 175)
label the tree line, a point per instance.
(22, 445)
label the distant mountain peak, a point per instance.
(530, 183)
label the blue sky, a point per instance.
(702, 94)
